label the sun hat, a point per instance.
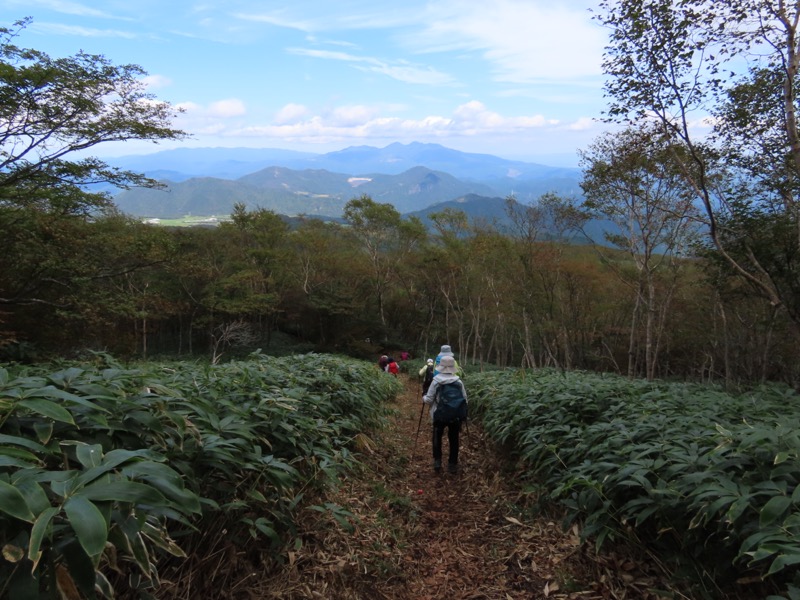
(447, 365)
(429, 361)
(446, 350)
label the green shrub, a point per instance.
(101, 463)
(711, 476)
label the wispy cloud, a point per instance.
(526, 41)
(67, 8)
(399, 70)
(76, 30)
(278, 19)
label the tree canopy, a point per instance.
(54, 110)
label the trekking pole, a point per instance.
(419, 426)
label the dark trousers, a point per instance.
(453, 430)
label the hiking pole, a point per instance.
(419, 426)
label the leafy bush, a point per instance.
(103, 468)
(712, 476)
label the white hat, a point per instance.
(429, 361)
(447, 365)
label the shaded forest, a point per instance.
(697, 277)
(508, 298)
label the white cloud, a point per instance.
(76, 30)
(363, 122)
(156, 81)
(582, 124)
(231, 107)
(400, 70)
(351, 116)
(221, 109)
(291, 113)
(526, 41)
(67, 8)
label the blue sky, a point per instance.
(516, 78)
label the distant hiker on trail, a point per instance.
(426, 375)
(446, 351)
(404, 355)
(382, 362)
(448, 399)
(391, 367)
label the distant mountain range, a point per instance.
(415, 178)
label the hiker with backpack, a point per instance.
(448, 400)
(446, 351)
(426, 375)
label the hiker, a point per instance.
(426, 375)
(382, 362)
(446, 351)
(404, 355)
(448, 399)
(391, 367)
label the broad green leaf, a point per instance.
(783, 561)
(111, 461)
(88, 524)
(44, 430)
(12, 502)
(51, 392)
(13, 440)
(38, 531)
(34, 494)
(48, 409)
(89, 455)
(123, 491)
(132, 531)
(23, 456)
(774, 510)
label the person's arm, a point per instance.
(429, 397)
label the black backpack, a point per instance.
(451, 404)
(426, 382)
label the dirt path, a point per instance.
(420, 535)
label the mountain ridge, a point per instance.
(320, 185)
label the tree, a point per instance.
(51, 111)
(675, 63)
(386, 238)
(631, 179)
(53, 108)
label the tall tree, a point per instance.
(53, 110)
(387, 240)
(631, 180)
(676, 63)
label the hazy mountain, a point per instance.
(289, 192)
(412, 177)
(224, 163)
(231, 163)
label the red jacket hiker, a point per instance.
(392, 367)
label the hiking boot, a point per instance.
(437, 466)
(451, 468)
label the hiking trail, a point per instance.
(419, 535)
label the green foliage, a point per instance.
(705, 474)
(51, 108)
(99, 463)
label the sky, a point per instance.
(520, 79)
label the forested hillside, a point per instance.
(145, 419)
